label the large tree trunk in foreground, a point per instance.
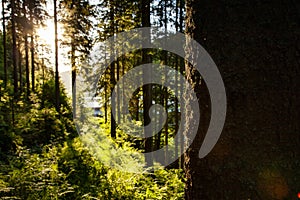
(255, 44)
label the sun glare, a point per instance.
(46, 34)
(46, 37)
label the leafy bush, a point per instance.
(70, 172)
(42, 157)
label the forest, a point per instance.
(150, 99)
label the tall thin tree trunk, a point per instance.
(137, 113)
(4, 44)
(43, 75)
(105, 102)
(26, 54)
(14, 47)
(181, 66)
(165, 91)
(166, 126)
(158, 139)
(118, 107)
(113, 102)
(105, 90)
(117, 65)
(112, 72)
(177, 60)
(176, 111)
(123, 86)
(27, 66)
(74, 71)
(32, 52)
(57, 95)
(147, 89)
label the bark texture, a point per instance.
(255, 45)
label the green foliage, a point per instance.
(41, 155)
(68, 171)
(42, 159)
(40, 126)
(36, 176)
(7, 137)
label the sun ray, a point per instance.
(46, 39)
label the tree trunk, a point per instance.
(176, 111)
(112, 72)
(105, 102)
(4, 45)
(158, 139)
(118, 107)
(74, 71)
(32, 52)
(20, 67)
(255, 46)
(147, 89)
(113, 102)
(14, 47)
(57, 95)
(165, 90)
(181, 68)
(105, 90)
(26, 52)
(27, 64)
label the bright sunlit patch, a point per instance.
(46, 34)
(46, 44)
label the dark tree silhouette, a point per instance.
(147, 89)
(57, 95)
(14, 46)
(255, 45)
(4, 44)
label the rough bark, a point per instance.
(27, 64)
(255, 44)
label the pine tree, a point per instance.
(76, 18)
